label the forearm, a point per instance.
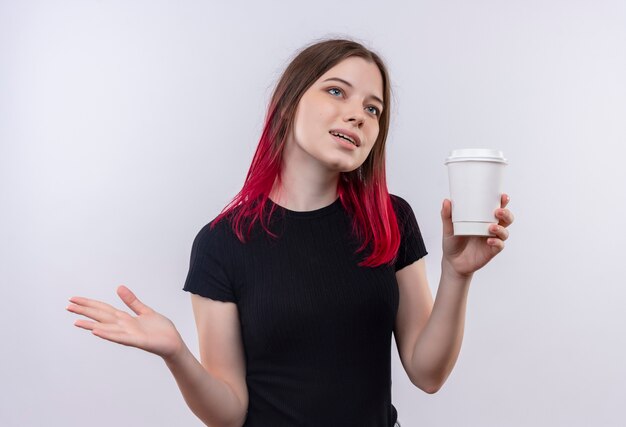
(211, 400)
(439, 343)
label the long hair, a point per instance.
(363, 192)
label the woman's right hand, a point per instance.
(149, 330)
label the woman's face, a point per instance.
(336, 121)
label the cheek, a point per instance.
(305, 115)
(314, 122)
(373, 133)
(301, 121)
(368, 153)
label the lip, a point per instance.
(352, 135)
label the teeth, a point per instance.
(344, 137)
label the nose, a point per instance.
(355, 115)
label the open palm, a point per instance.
(149, 330)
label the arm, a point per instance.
(215, 390)
(428, 335)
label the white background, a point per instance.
(125, 126)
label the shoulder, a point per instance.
(404, 215)
(215, 233)
(401, 207)
(412, 245)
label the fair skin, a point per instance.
(346, 98)
(428, 333)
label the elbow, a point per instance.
(238, 423)
(430, 386)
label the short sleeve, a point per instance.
(210, 268)
(412, 245)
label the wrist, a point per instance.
(178, 353)
(450, 274)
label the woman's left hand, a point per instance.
(466, 254)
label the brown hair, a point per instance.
(363, 191)
(305, 69)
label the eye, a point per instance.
(335, 91)
(373, 110)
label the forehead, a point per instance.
(362, 74)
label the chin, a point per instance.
(342, 167)
(342, 164)
(351, 169)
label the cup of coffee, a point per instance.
(475, 176)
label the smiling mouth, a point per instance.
(346, 137)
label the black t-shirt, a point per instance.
(316, 327)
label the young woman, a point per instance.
(298, 285)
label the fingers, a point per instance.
(97, 327)
(109, 331)
(107, 322)
(505, 217)
(446, 218)
(501, 234)
(85, 324)
(86, 302)
(497, 245)
(499, 231)
(96, 310)
(116, 337)
(132, 301)
(504, 200)
(99, 314)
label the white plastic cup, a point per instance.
(475, 176)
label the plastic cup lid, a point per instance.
(476, 154)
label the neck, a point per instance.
(303, 188)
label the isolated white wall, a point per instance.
(126, 126)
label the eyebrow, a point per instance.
(350, 86)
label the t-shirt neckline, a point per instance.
(326, 210)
